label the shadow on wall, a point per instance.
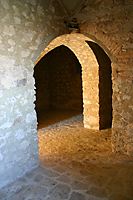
(105, 86)
(58, 81)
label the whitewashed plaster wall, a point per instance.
(26, 28)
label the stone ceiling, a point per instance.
(71, 6)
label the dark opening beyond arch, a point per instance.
(58, 84)
(105, 86)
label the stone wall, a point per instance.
(65, 80)
(109, 24)
(58, 81)
(26, 28)
(105, 86)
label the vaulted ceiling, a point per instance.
(71, 6)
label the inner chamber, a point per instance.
(58, 86)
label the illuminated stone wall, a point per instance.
(26, 28)
(109, 24)
(105, 86)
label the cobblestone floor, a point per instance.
(76, 164)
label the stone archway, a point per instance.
(90, 74)
(105, 86)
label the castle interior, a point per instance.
(66, 100)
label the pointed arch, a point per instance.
(90, 74)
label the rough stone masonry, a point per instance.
(26, 29)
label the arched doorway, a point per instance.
(90, 57)
(58, 86)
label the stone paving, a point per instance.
(75, 164)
